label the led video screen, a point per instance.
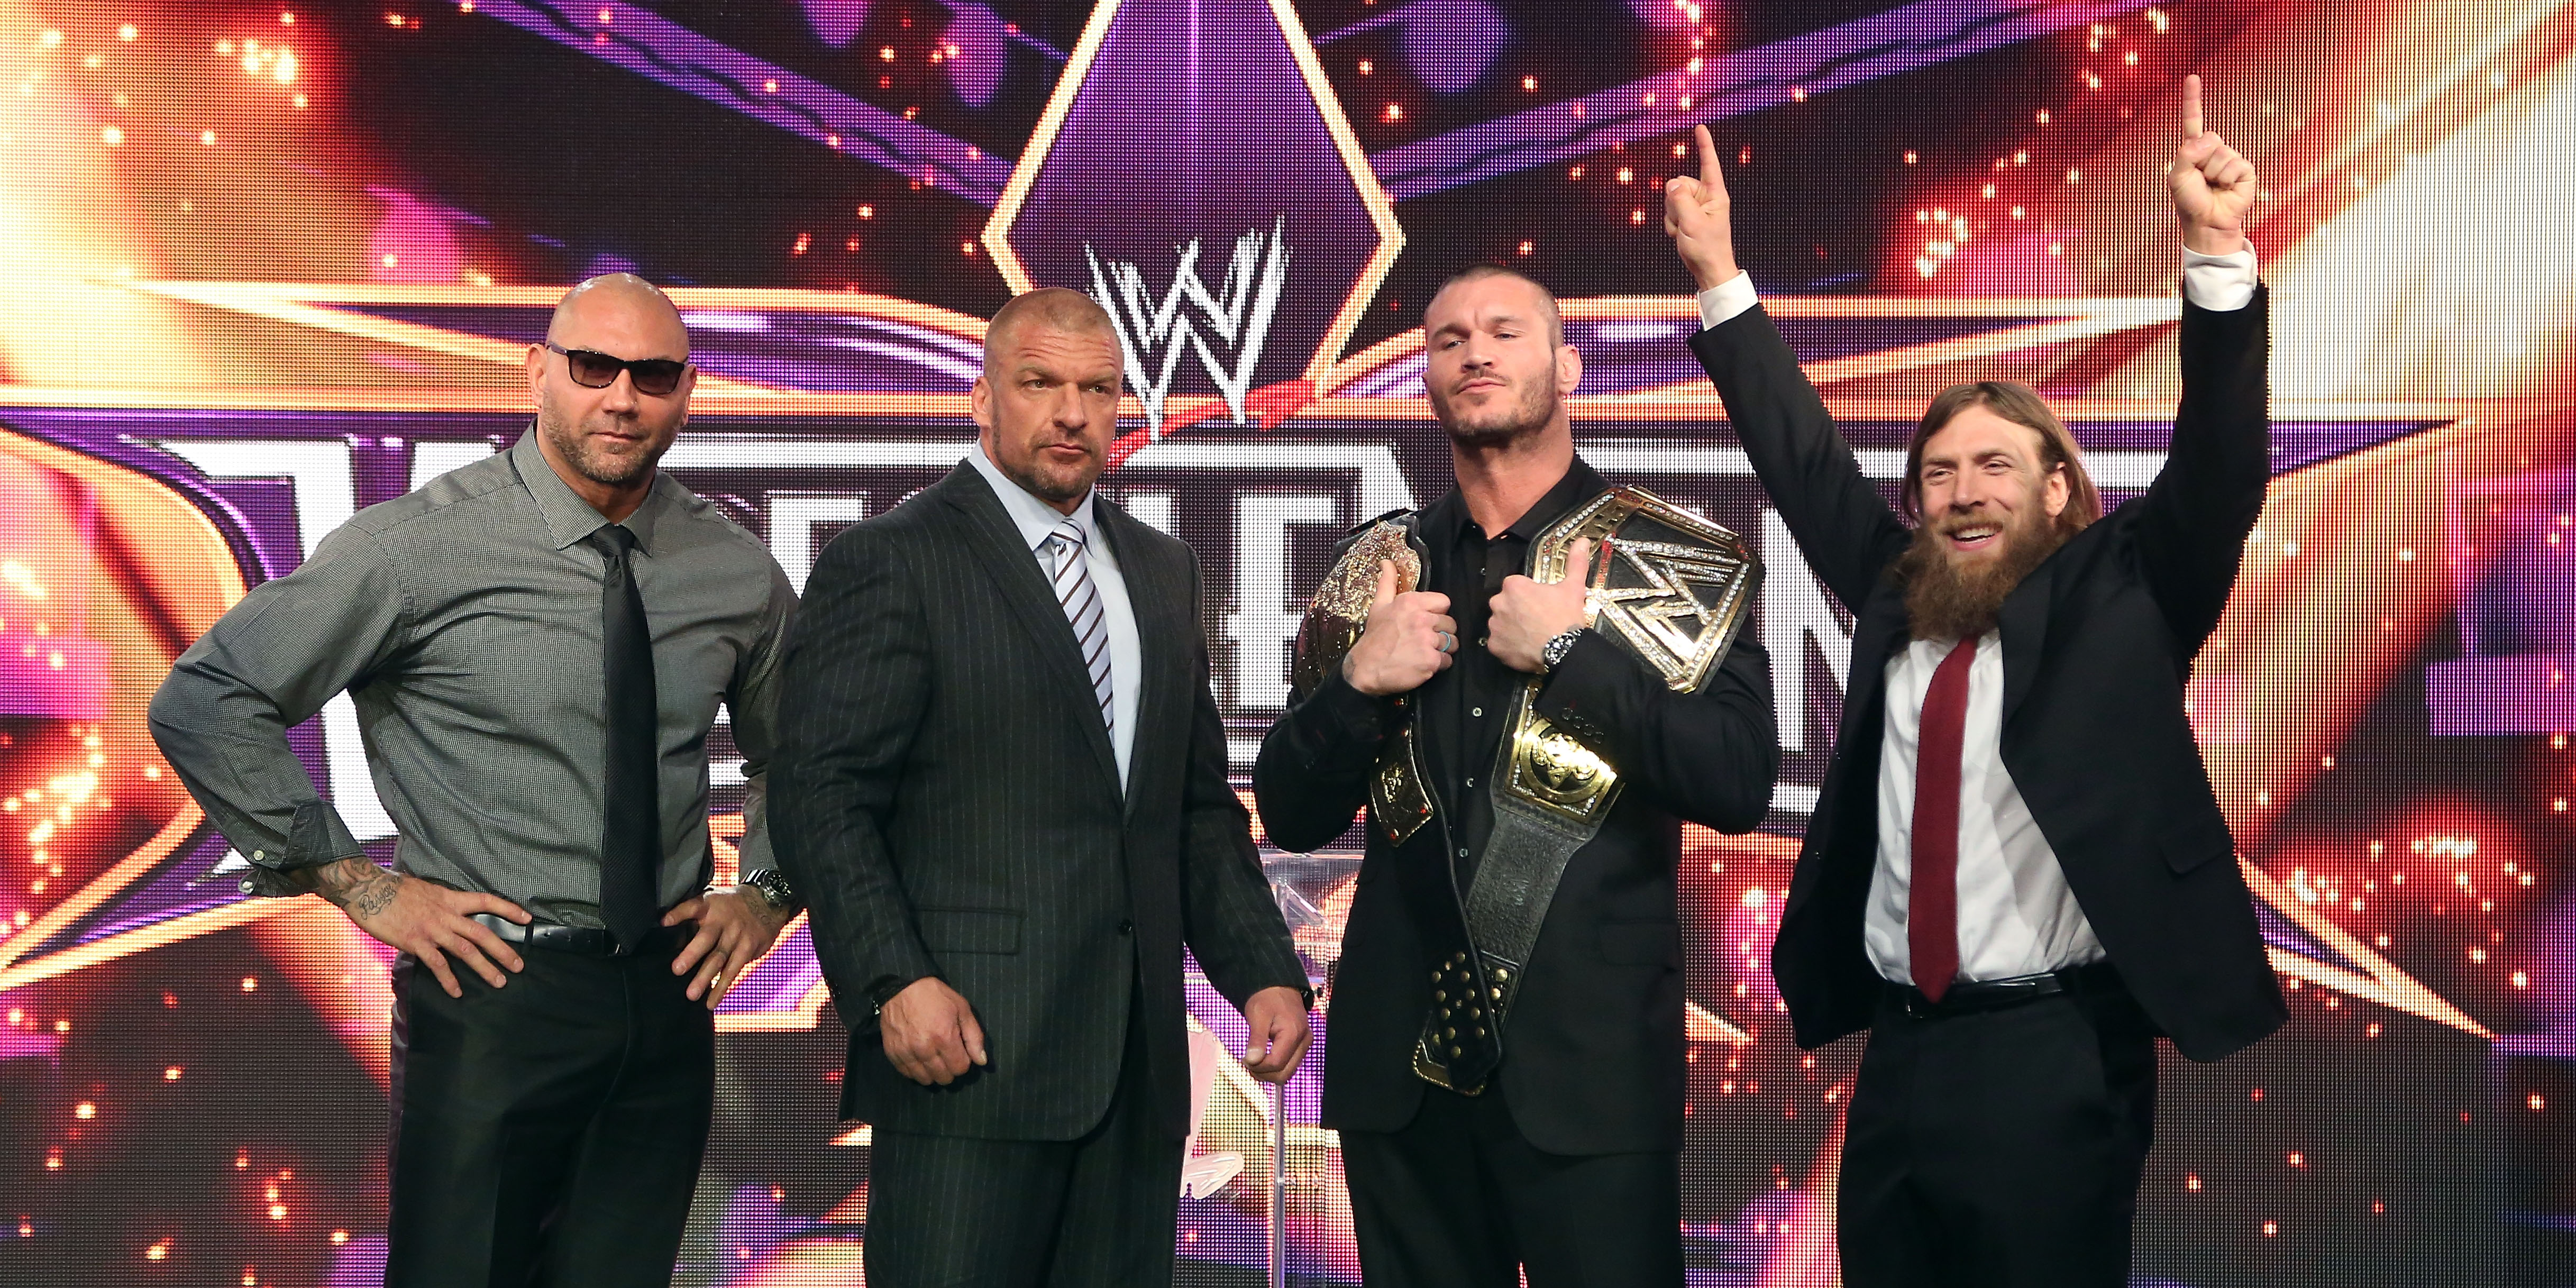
(266, 264)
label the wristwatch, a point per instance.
(772, 885)
(1553, 652)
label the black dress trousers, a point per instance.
(1097, 1211)
(1998, 1149)
(1458, 1199)
(548, 1133)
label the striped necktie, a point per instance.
(1081, 603)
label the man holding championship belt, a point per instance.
(1529, 685)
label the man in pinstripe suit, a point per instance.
(1002, 790)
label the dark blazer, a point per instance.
(946, 800)
(2098, 643)
(1594, 1054)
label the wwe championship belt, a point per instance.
(1670, 587)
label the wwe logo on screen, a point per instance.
(1226, 326)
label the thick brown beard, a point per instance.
(1946, 601)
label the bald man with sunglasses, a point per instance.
(537, 644)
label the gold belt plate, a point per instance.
(1669, 585)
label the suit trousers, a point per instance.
(1458, 1199)
(1999, 1149)
(1098, 1211)
(547, 1133)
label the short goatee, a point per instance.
(1944, 600)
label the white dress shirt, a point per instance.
(1036, 521)
(2016, 914)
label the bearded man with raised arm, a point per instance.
(2016, 877)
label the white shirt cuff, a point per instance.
(2218, 283)
(1728, 298)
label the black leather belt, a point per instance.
(1969, 996)
(586, 941)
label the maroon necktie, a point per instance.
(1932, 907)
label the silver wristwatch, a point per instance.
(773, 886)
(1554, 651)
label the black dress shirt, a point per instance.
(1465, 707)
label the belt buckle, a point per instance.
(1918, 1006)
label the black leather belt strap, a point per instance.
(1970, 996)
(587, 941)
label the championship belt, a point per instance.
(1399, 799)
(1670, 587)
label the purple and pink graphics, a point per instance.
(1195, 174)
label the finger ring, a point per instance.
(1448, 642)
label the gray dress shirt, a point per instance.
(465, 620)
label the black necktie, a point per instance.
(630, 838)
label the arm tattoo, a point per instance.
(356, 885)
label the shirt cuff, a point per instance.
(1353, 717)
(2218, 283)
(1735, 295)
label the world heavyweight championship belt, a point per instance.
(1399, 799)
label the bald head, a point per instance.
(1053, 307)
(619, 301)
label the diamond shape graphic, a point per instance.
(1186, 136)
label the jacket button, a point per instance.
(1126, 927)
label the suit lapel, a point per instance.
(2025, 631)
(1014, 570)
(1158, 593)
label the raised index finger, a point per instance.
(1708, 170)
(2191, 106)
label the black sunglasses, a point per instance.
(594, 370)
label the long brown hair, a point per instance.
(2023, 406)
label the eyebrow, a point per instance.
(1027, 370)
(1986, 454)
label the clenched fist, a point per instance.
(1527, 614)
(1409, 638)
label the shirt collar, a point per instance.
(1581, 483)
(569, 519)
(1035, 519)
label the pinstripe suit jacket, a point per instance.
(947, 802)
